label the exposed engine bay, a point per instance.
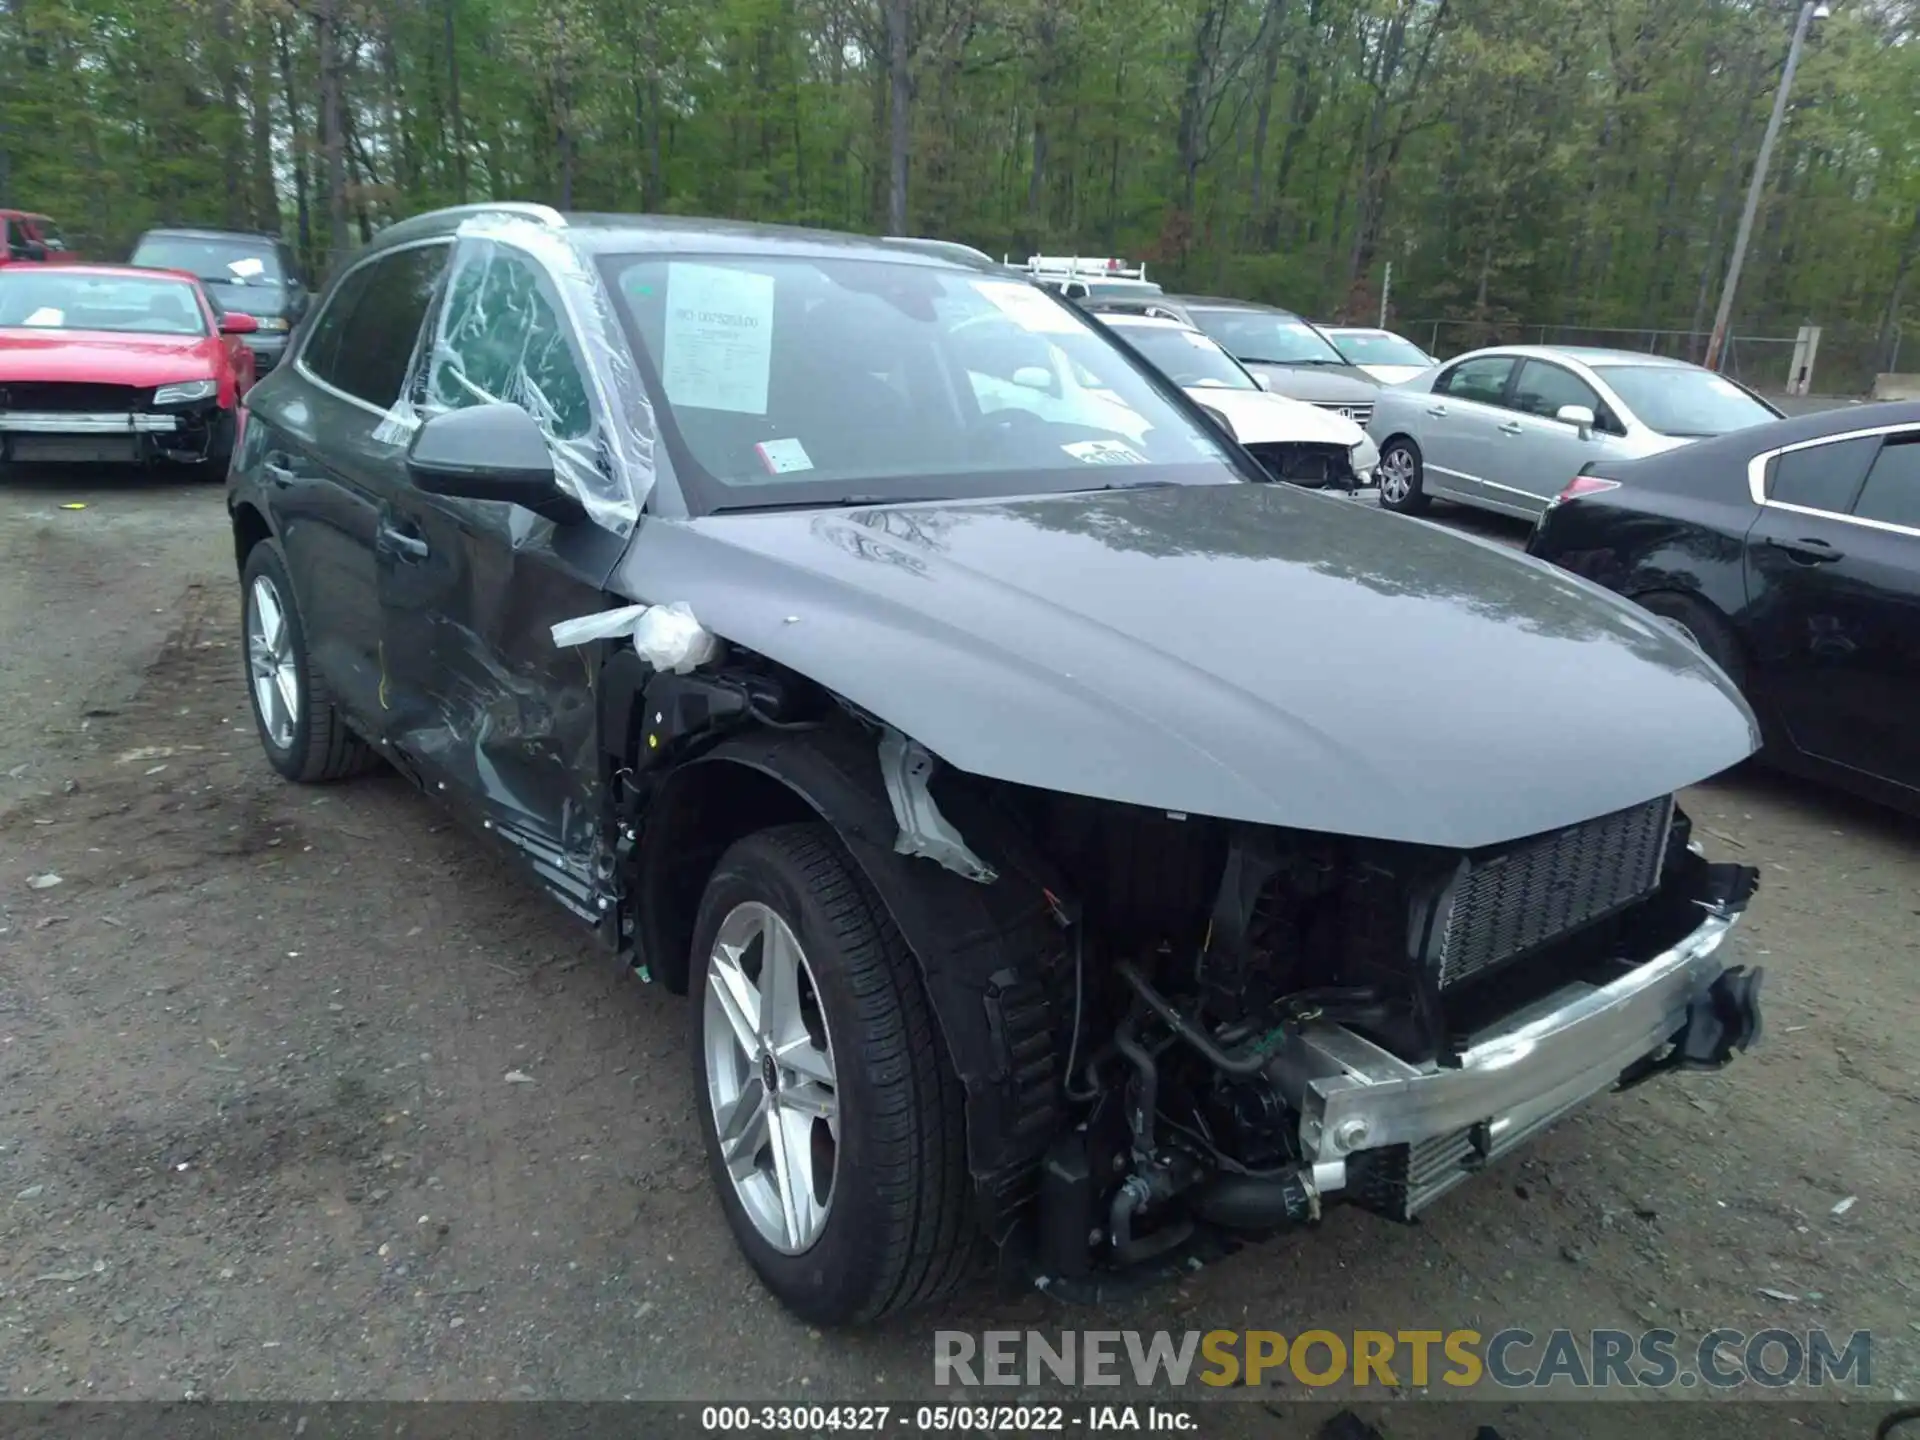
(1313, 465)
(1179, 1032)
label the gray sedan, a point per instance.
(1507, 429)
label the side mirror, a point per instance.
(1578, 416)
(233, 322)
(489, 452)
(1075, 290)
(1265, 382)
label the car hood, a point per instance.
(104, 357)
(1318, 384)
(1260, 418)
(1252, 652)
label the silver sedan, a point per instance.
(1507, 429)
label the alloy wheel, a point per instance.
(770, 1077)
(271, 664)
(1396, 475)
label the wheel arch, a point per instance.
(985, 952)
(250, 527)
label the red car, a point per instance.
(27, 238)
(115, 363)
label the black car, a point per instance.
(1791, 553)
(250, 274)
(796, 612)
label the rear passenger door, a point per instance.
(1459, 431)
(481, 700)
(331, 461)
(1833, 567)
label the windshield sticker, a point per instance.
(1104, 452)
(783, 457)
(246, 269)
(1027, 307)
(719, 338)
(45, 315)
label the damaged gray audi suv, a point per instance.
(1081, 856)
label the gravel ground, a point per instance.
(257, 1137)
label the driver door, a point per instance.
(487, 707)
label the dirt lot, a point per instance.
(256, 1137)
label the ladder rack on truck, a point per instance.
(1081, 267)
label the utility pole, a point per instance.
(1386, 293)
(1810, 11)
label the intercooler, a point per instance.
(1506, 905)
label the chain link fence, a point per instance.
(1848, 358)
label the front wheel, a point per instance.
(834, 1126)
(1402, 477)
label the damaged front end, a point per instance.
(1179, 1033)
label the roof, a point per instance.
(1225, 302)
(1591, 355)
(599, 233)
(102, 267)
(23, 215)
(198, 232)
(1135, 320)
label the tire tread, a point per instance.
(930, 1243)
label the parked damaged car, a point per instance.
(1026, 802)
(113, 364)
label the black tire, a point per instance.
(899, 1230)
(1416, 500)
(321, 747)
(1711, 633)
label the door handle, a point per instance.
(279, 470)
(1512, 427)
(410, 548)
(1436, 410)
(1808, 551)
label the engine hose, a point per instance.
(1127, 1042)
(1239, 1065)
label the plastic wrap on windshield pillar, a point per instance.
(517, 301)
(906, 767)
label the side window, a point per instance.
(1821, 477)
(1543, 388)
(366, 337)
(1484, 379)
(321, 353)
(501, 336)
(1892, 491)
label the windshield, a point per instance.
(801, 381)
(1186, 357)
(1377, 347)
(236, 263)
(1262, 337)
(57, 299)
(1684, 403)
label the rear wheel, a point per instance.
(835, 1130)
(1402, 476)
(302, 732)
(1709, 631)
